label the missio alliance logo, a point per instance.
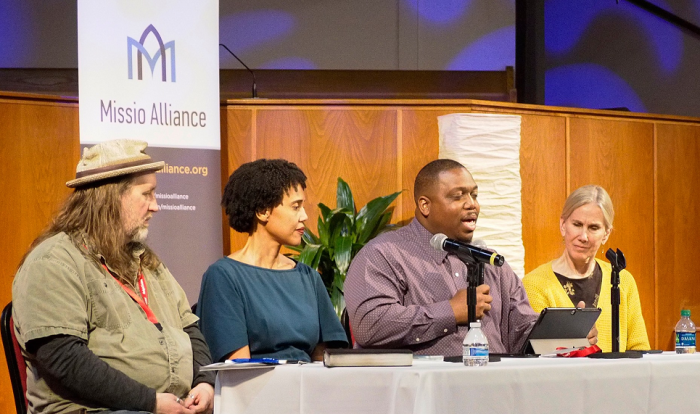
(160, 54)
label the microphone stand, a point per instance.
(475, 277)
(255, 84)
(618, 262)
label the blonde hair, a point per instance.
(92, 217)
(590, 194)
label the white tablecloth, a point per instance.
(667, 383)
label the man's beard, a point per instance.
(139, 234)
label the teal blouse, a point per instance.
(280, 314)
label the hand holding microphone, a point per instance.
(459, 304)
(470, 255)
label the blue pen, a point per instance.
(269, 361)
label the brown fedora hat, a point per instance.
(111, 159)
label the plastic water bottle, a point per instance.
(685, 334)
(475, 348)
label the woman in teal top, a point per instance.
(257, 302)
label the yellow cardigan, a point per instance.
(544, 290)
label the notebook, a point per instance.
(367, 357)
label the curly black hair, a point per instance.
(257, 186)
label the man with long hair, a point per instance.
(102, 323)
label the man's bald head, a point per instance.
(428, 176)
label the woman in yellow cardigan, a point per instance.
(585, 224)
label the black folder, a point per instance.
(560, 327)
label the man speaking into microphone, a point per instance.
(401, 292)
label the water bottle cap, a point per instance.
(686, 313)
(478, 324)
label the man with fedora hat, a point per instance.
(103, 325)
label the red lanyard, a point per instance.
(141, 281)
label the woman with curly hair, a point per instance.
(257, 302)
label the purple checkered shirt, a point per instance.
(398, 289)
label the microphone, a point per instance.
(255, 85)
(466, 252)
(478, 243)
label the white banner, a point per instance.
(489, 146)
(149, 70)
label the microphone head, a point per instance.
(496, 259)
(437, 241)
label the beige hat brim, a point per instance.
(152, 167)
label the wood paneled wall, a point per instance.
(39, 149)
(677, 220)
(648, 163)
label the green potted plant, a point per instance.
(342, 232)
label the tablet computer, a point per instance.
(560, 327)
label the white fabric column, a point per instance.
(489, 146)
